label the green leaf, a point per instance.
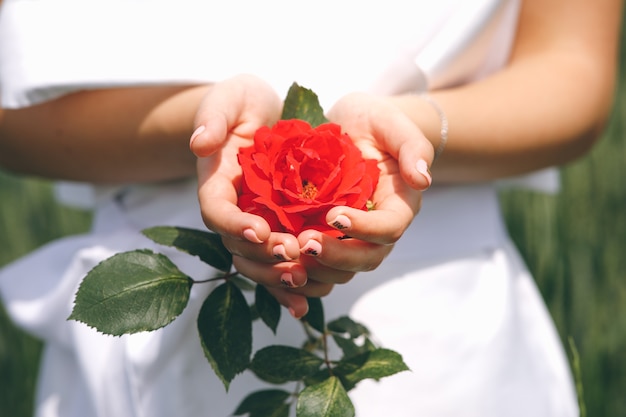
(317, 378)
(327, 399)
(225, 328)
(132, 292)
(315, 316)
(351, 337)
(207, 246)
(280, 411)
(302, 103)
(269, 402)
(350, 348)
(280, 364)
(375, 364)
(345, 325)
(243, 283)
(254, 314)
(267, 307)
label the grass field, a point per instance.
(29, 218)
(574, 242)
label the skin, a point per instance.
(546, 107)
(236, 108)
(135, 135)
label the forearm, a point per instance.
(545, 108)
(104, 136)
(499, 129)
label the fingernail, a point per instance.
(292, 311)
(251, 235)
(195, 133)
(280, 253)
(287, 280)
(422, 168)
(312, 248)
(341, 222)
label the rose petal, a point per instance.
(294, 174)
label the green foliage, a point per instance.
(29, 218)
(351, 337)
(326, 399)
(302, 103)
(132, 292)
(577, 377)
(265, 403)
(225, 327)
(207, 246)
(374, 364)
(315, 316)
(267, 307)
(142, 290)
(280, 364)
(345, 325)
(574, 243)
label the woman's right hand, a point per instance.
(227, 119)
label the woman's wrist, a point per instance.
(443, 119)
(428, 115)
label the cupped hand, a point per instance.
(227, 119)
(386, 134)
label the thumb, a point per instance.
(400, 137)
(415, 157)
(210, 133)
(242, 104)
(405, 142)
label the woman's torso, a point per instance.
(331, 47)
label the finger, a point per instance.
(218, 178)
(349, 255)
(414, 166)
(297, 304)
(218, 113)
(217, 197)
(279, 247)
(327, 274)
(277, 275)
(211, 132)
(385, 224)
(285, 275)
(390, 131)
(313, 289)
(404, 141)
(239, 106)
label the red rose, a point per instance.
(294, 174)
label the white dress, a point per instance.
(453, 297)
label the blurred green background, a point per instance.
(574, 242)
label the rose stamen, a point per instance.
(309, 190)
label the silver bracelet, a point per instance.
(444, 124)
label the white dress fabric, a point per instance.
(453, 297)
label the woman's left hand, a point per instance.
(404, 155)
